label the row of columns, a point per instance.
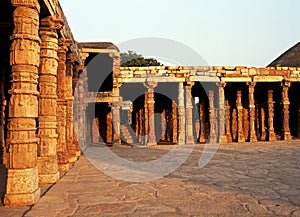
(41, 92)
(226, 123)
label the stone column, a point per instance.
(201, 122)
(234, 124)
(263, 126)
(47, 158)
(181, 114)
(62, 152)
(251, 86)
(22, 178)
(109, 128)
(69, 109)
(150, 102)
(228, 133)
(285, 110)
(246, 123)
(189, 135)
(146, 120)
(239, 105)
(95, 131)
(174, 122)
(163, 125)
(212, 119)
(272, 135)
(141, 127)
(222, 115)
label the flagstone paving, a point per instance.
(249, 179)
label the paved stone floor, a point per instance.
(249, 179)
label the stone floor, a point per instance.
(249, 179)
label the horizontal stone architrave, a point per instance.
(268, 78)
(205, 78)
(236, 79)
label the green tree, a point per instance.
(131, 58)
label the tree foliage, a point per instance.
(131, 58)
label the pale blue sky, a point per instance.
(223, 32)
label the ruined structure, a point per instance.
(50, 105)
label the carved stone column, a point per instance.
(272, 135)
(228, 133)
(286, 115)
(212, 119)
(234, 125)
(239, 105)
(62, 151)
(22, 178)
(109, 128)
(246, 123)
(174, 122)
(95, 131)
(189, 135)
(181, 114)
(141, 126)
(69, 109)
(251, 86)
(263, 125)
(146, 120)
(222, 114)
(150, 102)
(116, 119)
(47, 158)
(163, 125)
(202, 122)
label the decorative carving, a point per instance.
(181, 115)
(189, 137)
(285, 110)
(272, 135)
(253, 137)
(239, 105)
(222, 135)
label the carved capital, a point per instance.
(27, 3)
(150, 84)
(51, 23)
(222, 84)
(286, 83)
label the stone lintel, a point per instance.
(267, 78)
(204, 79)
(236, 79)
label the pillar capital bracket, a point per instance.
(251, 84)
(150, 84)
(286, 83)
(222, 84)
(52, 23)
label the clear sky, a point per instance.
(223, 32)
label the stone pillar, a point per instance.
(222, 115)
(62, 152)
(109, 128)
(212, 119)
(69, 109)
(47, 158)
(189, 135)
(202, 122)
(116, 121)
(150, 104)
(141, 126)
(239, 105)
(22, 178)
(251, 86)
(163, 125)
(228, 133)
(96, 135)
(272, 135)
(285, 110)
(174, 122)
(234, 124)
(181, 114)
(263, 126)
(146, 120)
(246, 123)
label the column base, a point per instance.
(253, 138)
(229, 138)
(73, 159)
(78, 154)
(241, 138)
(48, 170)
(49, 178)
(212, 139)
(189, 140)
(151, 144)
(223, 139)
(22, 187)
(287, 136)
(202, 139)
(63, 167)
(272, 137)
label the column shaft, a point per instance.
(286, 114)
(253, 137)
(212, 119)
(189, 136)
(22, 178)
(181, 114)
(272, 135)
(239, 105)
(222, 114)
